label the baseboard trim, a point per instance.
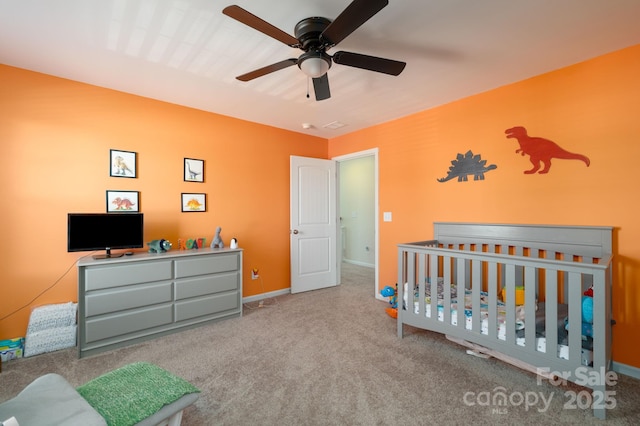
(263, 296)
(625, 369)
(356, 262)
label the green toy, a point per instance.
(159, 246)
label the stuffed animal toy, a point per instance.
(159, 246)
(392, 294)
(217, 240)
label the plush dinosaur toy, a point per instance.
(217, 240)
(392, 294)
(159, 246)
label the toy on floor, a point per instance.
(392, 294)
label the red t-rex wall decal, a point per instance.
(541, 150)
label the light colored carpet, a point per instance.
(330, 357)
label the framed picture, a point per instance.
(123, 201)
(193, 170)
(122, 164)
(194, 202)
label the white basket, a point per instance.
(51, 328)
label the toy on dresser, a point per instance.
(217, 239)
(159, 246)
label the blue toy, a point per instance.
(587, 316)
(392, 294)
(388, 291)
(587, 309)
(159, 246)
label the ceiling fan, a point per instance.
(315, 36)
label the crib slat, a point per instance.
(510, 322)
(446, 276)
(402, 264)
(530, 308)
(519, 251)
(563, 280)
(461, 272)
(420, 283)
(476, 288)
(587, 280)
(551, 313)
(411, 279)
(536, 254)
(575, 318)
(467, 268)
(492, 278)
(454, 271)
(601, 331)
(433, 284)
(601, 319)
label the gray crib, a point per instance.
(516, 291)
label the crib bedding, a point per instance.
(562, 310)
(541, 342)
(557, 263)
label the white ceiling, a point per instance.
(188, 53)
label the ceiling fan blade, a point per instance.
(321, 87)
(356, 14)
(247, 18)
(371, 63)
(267, 70)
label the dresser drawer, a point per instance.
(121, 299)
(202, 265)
(203, 306)
(120, 324)
(207, 284)
(100, 277)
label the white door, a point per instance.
(313, 230)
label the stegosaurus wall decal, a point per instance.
(468, 164)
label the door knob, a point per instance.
(295, 232)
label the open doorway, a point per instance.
(358, 212)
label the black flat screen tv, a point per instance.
(104, 231)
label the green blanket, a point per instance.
(134, 392)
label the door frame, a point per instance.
(352, 156)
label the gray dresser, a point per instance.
(130, 299)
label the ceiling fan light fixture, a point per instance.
(314, 64)
(314, 36)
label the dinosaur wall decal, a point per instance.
(541, 150)
(468, 164)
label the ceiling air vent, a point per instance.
(334, 125)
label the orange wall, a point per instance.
(589, 108)
(56, 135)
